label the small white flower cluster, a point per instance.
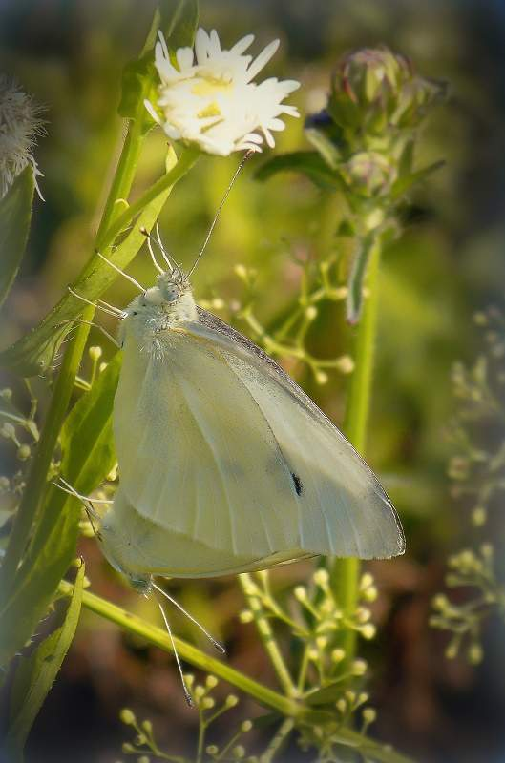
(20, 123)
(211, 100)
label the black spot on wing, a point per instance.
(297, 483)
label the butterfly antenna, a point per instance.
(86, 502)
(185, 689)
(109, 309)
(146, 233)
(213, 641)
(219, 209)
(163, 251)
(121, 272)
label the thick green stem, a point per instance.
(345, 572)
(186, 160)
(35, 488)
(123, 179)
(34, 492)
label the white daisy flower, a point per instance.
(20, 123)
(210, 98)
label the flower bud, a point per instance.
(7, 430)
(211, 682)
(320, 577)
(359, 667)
(231, 701)
(368, 631)
(369, 174)
(128, 717)
(24, 452)
(337, 655)
(95, 353)
(366, 581)
(300, 593)
(321, 377)
(475, 654)
(246, 726)
(246, 616)
(375, 89)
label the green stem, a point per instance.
(34, 492)
(123, 178)
(345, 572)
(35, 488)
(267, 697)
(160, 638)
(277, 742)
(269, 642)
(186, 160)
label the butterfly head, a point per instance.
(169, 302)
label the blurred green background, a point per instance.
(449, 262)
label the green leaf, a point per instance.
(356, 279)
(33, 354)
(88, 456)
(325, 146)
(15, 219)
(403, 184)
(87, 439)
(309, 163)
(179, 22)
(138, 80)
(35, 675)
(325, 696)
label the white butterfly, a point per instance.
(225, 464)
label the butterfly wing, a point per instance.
(217, 444)
(342, 508)
(197, 456)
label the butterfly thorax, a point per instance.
(162, 307)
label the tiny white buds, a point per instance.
(300, 593)
(337, 655)
(211, 682)
(128, 717)
(321, 577)
(95, 353)
(359, 667)
(368, 631)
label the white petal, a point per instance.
(202, 46)
(163, 44)
(269, 138)
(262, 60)
(185, 58)
(276, 124)
(253, 137)
(152, 111)
(215, 44)
(242, 44)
